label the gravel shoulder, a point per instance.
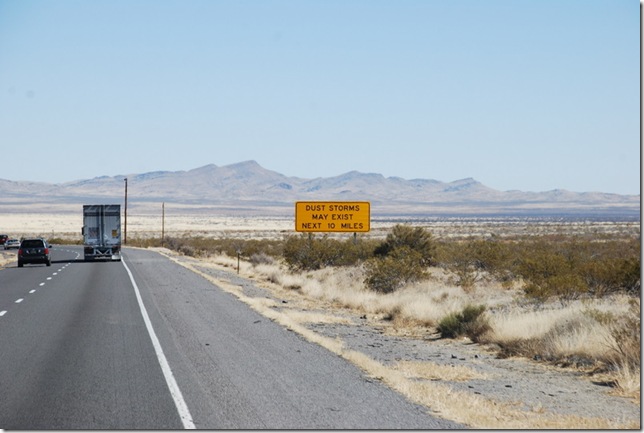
(457, 380)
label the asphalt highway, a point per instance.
(146, 344)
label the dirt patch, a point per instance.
(456, 380)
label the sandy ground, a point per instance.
(69, 224)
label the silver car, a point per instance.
(12, 243)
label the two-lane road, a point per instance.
(79, 349)
(75, 353)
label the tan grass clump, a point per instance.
(432, 371)
(555, 331)
(7, 258)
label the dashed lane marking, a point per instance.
(18, 301)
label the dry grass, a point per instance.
(561, 330)
(7, 257)
(628, 381)
(430, 370)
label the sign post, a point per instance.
(332, 216)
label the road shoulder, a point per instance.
(485, 392)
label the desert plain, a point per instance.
(384, 334)
(153, 222)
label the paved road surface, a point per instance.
(76, 353)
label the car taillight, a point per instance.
(46, 250)
(20, 251)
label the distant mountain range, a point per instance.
(248, 187)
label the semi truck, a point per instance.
(102, 231)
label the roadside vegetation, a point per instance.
(569, 300)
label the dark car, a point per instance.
(34, 250)
(3, 239)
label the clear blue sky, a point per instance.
(518, 94)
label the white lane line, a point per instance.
(32, 291)
(42, 284)
(2, 313)
(55, 273)
(48, 278)
(175, 392)
(19, 300)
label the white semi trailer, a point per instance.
(102, 231)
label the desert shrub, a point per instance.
(261, 259)
(469, 322)
(470, 260)
(571, 267)
(549, 266)
(57, 240)
(401, 259)
(301, 253)
(143, 242)
(310, 253)
(550, 272)
(205, 246)
(250, 247)
(565, 286)
(189, 250)
(400, 267)
(192, 246)
(416, 239)
(612, 275)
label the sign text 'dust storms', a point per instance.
(332, 216)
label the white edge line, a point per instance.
(182, 408)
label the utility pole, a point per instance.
(125, 231)
(162, 223)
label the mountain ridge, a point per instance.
(245, 183)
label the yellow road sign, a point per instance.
(332, 216)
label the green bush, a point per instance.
(469, 322)
(143, 242)
(55, 240)
(611, 275)
(199, 246)
(572, 267)
(400, 267)
(473, 259)
(309, 253)
(414, 238)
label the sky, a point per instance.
(529, 95)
